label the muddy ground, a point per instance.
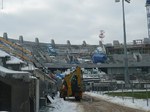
(93, 104)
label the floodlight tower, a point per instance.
(126, 75)
(2, 4)
(148, 16)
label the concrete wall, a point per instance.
(20, 98)
(19, 94)
(5, 97)
(16, 67)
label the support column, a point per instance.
(37, 95)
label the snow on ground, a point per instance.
(138, 103)
(59, 105)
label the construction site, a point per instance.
(34, 70)
(47, 76)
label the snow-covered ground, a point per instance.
(59, 105)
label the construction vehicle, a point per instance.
(72, 85)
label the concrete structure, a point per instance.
(14, 94)
(37, 40)
(53, 42)
(61, 57)
(5, 36)
(21, 91)
(114, 65)
(21, 39)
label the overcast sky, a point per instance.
(74, 20)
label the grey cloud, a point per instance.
(74, 20)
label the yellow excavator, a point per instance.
(72, 85)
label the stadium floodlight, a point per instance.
(117, 0)
(127, 1)
(126, 75)
(2, 4)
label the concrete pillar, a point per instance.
(84, 43)
(37, 95)
(53, 43)
(68, 44)
(100, 43)
(21, 39)
(36, 40)
(5, 36)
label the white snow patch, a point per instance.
(8, 71)
(28, 68)
(14, 60)
(3, 54)
(59, 105)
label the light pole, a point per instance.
(126, 75)
(2, 4)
